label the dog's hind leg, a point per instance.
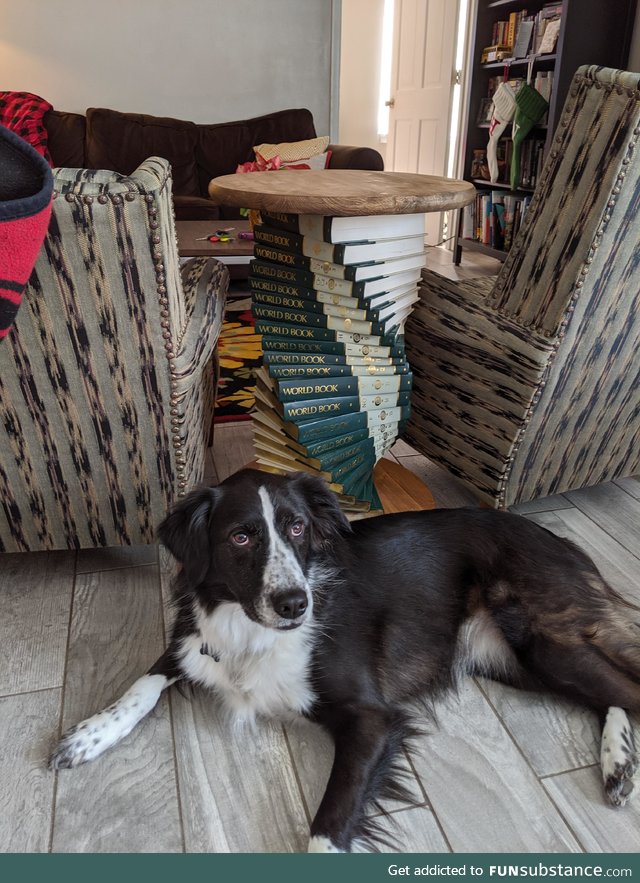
(618, 757)
(367, 741)
(93, 736)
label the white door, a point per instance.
(422, 77)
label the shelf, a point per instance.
(500, 186)
(513, 62)
(472, 245)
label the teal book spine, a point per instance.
(335, 387)
(317, 430)
(301, 410)
(318, 320)
(288, 340)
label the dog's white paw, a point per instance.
(82, 743)
(322, 844)
(618, 757)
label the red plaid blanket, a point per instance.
(23, 113)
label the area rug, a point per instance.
(240, 354)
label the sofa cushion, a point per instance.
(65, 138)
(195, 208)
(122, 141)
(220, 147)
(285, 125)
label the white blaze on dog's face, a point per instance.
(252, 539)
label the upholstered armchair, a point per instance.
(528, 384)
(107, 378)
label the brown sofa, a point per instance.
(108, 139)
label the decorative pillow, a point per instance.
(294, 151)
(321, 161)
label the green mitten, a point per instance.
(530, 108)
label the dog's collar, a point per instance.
(206, 650)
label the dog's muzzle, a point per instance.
(290, 605)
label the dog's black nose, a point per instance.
(290, 605)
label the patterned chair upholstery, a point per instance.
(107, 378)
(528, 384)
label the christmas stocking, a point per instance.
(504, 106)
(530, 108)
(26, 185)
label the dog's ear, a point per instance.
(185, 532)
(328, 521)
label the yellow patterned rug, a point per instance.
(240, 354)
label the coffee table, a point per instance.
(347, 193)
(191, 244)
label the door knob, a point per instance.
(390, 103)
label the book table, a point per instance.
(337, 260)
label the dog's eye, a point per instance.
(240, 538)
(297, 529)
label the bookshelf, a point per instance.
(591, 32)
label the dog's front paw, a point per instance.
(618, 757)
(78, 745)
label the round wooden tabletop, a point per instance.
(341, 192)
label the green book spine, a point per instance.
(335, 387)
(319, 320)
(287, 289)
(284, 357)
(279, 256)
(283, 328)
(301, 410)
(281, 220)
(378, 436)
(302, 343)
(317, 430)
(287, 371)
(354, 454)
(280, 273)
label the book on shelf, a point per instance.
(282, 372)
(345, 253)
(523, 38)
(347, 229)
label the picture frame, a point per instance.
(484, 112)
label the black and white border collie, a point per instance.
(284, 607)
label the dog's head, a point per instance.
(256, 534)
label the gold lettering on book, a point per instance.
(378, 384)
(301, 412)
(310, 390)
(282, 257)
(328, 407)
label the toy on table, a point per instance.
(218, 236)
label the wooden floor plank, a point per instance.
(115, 557)
(614, 510)
(617, 564)
(542, 504)
(238, 787)
(630, 485)
(411, 830)
(599, 826)
(26, 724)
(481, 789)
(35, 600)
(447, 491)
(126, 801)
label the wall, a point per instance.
(204, 60)
(360, 46)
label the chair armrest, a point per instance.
(344, 157)
(205, 283)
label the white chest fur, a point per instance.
(259, 671)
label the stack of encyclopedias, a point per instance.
(330, 298)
